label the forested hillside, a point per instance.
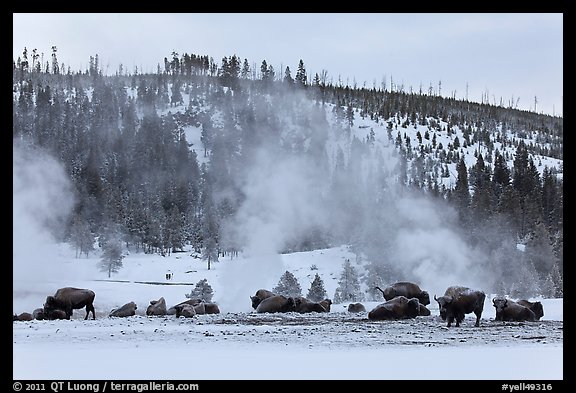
(229, 157)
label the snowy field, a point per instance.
(239, 344)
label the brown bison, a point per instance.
(399, 307)
(38, 314)
(326, 303)
(276, 303)
(303, 305)
(127, 310)
(459, 301)
(260, 295)
(509, 310)
(185, 310)
(536, 307)
(69, 299)
(356, 307)
(157, 307)
(211, 308)
(25, 316)
(192, 302)
(406, 289)
(423, 311)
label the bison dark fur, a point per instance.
(303, 305)
(356, 307)
(157, 307)
(459, 301)
(38, 314)
(25, 316)
(69, 299)
(406, 289)
(260, 295)
(276, 303)
(326, 303)
(536, 307)
(509, 310)
(399, 307)
(127, 310)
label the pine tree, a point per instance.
(348, 289)
(111, 260)
(202, 290)
(317, 292)
(288, 285)
(301, 75)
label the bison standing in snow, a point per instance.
(459, 301)
(68, 299)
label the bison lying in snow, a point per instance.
(536, 308)
(509, 310)
(260, 295)
(127, 310)
(276, 303)
(356, 307)
(157, 307)
(459, 301)
(25, 316)
(199, 305)
(326, 303)
(399, 307)
(303, 305)
(68, 299)
(406, 289)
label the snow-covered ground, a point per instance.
(239, 344)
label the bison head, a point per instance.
(413, 308)
(538, 310)
(255, 301)
(443, 303)
(500, 303)
(425, 298)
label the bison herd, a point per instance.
(403, 300)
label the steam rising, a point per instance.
(42, 200)
(288, 195)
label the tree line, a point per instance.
(122, 142)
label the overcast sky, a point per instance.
(501, 55)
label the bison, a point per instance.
(406, 289)
(536, 307)
(192, 302)
(211, 308)
(185, 310)
(423, 311)
(53, 314)
(356, 307)
(25, 316)
(303, 305)
(157, 307)
(276, 303)
(399, 307)
(326, 304)
(509, 310)
(459, 301)
(38, 314)
(68, 299)
(260, 295)
(127, 310)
